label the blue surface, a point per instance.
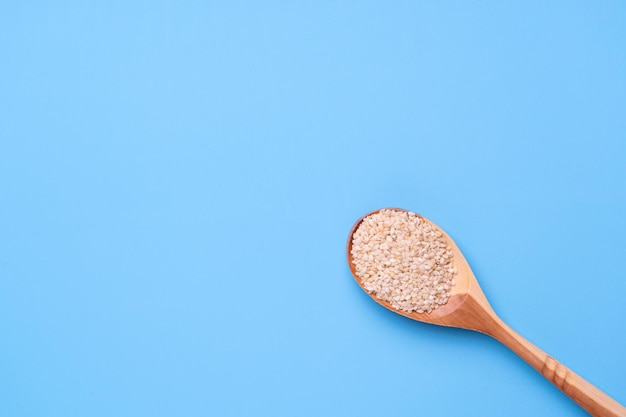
(177, 182)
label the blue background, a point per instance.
(178, 180)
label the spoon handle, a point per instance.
(585, 394)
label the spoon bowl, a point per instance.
(446, 314)
(468, 308)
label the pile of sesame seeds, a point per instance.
(403, 259)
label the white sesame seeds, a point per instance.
(403, 259)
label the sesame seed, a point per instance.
(404, 260)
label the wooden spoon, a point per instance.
(468, 308)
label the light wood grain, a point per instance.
(468, 308)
